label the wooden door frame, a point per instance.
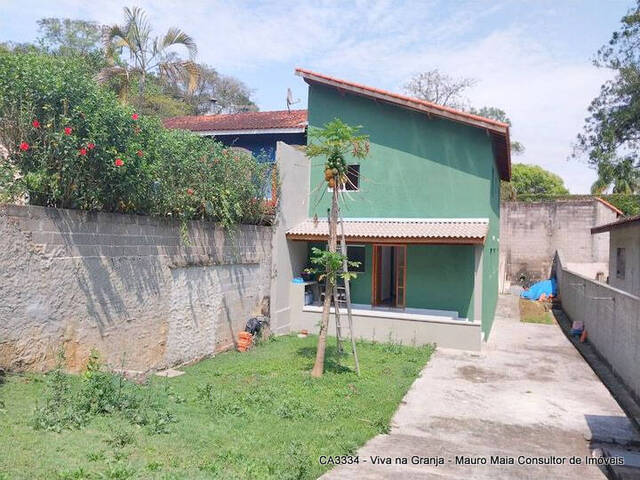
(375, 267)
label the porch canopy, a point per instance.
(457, 231)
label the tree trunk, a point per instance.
(318, 367)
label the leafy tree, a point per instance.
(69, 37)
(623, 177)
(611, 135)
(501, 116)
(231, 94)
(439, 88)
(147, 55)
(445, 90)
(535, 180)
(333, 142)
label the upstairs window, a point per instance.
(353, 178)
(620, 263)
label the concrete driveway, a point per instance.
(529, 394)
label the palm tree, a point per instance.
(147, 54)
(624, 176)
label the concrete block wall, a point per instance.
(611, 318)
(531, 232)
(143, 291)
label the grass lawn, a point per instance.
(536, 312)
(254, 415)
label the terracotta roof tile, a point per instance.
(405, 228)
(240, 121)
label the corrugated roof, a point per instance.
(498, 131)
(416, 230)
(618, 223)
(274, 120)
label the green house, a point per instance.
(421, 215)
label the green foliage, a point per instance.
(89, 152)
(64, 36)
(100, 393)
(337, 139)
(59, 411)
(629, 204)
(623, 176)
(146, 54)
(330, 266)
(535, 180)
(611, 134)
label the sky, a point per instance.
(533, 59)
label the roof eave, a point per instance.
(445, 113)
(495, 128)
(255, 131)
(392, 240)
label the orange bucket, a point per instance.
(245, 339)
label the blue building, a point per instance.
(256, 132)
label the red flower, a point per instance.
(82, 151)
(91, 146)
(36, 124)
(24, 146)
(67, 130)
(140, 153)
(134, 116)
(118, 162)
(190, 191)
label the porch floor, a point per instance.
(408, 313)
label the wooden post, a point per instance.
(318, 366)
(339, 348)
(347, 290)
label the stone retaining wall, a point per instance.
(145, 292)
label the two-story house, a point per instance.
(421, 215)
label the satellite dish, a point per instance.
(290, 100)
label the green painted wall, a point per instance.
(418, 167)
(440, 277)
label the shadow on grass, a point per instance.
(330, 359)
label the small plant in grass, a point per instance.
(59, 411)
(121, 438)
(100, 393)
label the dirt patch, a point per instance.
(473, 374)
(532, 311)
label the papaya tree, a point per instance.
(334, 142)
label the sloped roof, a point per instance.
(618, 223)
(609, 205)
(498, 131)
(258, 122)
(404, 230)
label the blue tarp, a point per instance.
(547, 287)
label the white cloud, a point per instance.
(382, 43)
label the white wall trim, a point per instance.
(261, 131)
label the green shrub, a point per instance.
(71, 144)
(100, 393)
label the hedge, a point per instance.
(71, 144)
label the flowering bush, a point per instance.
(71, 144)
